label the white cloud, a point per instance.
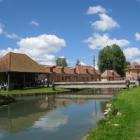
(42, 43)
(105, 23)
(98, 41)
(82, 63)
(51, 121)
(40, 48)
(96, 10)
(7, 34)
(1, 29)
(61, 57)
(132, 53)
(11, 35)
(137, 36)
(137, 60)
(34, 23)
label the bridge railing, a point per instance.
(96, 84)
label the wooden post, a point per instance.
(8, 81)
(24, 80)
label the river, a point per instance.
(50, 117)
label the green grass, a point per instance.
(128, 103)
(34, 90)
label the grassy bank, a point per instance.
(34, 90)
(123, 121)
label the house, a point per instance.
(69, 74)
(132, 72)
(98, 75)
(72, 74)
(82, 74)
(110, 75)
(19, 71)
(87, 73)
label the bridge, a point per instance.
(96, 84)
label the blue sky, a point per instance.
(75, 29)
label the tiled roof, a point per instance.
(97, 72)
(68, 70)
(110, 73)
(58, 70)
(48, 68)
(86, 70)
(80, 70)
(15, 62)
(134, 65)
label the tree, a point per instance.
(77, 62)
(61, 62)
(112, 57)
(127, 63)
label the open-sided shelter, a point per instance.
(19, 71)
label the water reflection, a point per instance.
(51, 121)
(49, 117)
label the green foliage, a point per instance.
(112, 57)
(61, 62)
(121, 127)
(77, 62)
(127, 63)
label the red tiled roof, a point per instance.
(110, 73)
(97, 72)
(58, 70)
(80, 70)
(68, 70)
(48, 68)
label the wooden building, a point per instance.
(19, 71)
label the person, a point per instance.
(138, 79)
(46, 82)
(53, 85)
(127, 84)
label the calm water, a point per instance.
(50, 118)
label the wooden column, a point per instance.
(24, 80)
(8, 81)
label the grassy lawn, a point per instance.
(35, 90)
(124, 125)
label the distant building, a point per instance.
(87, 73)
(110, 75)
(132, 71)
(76, 74)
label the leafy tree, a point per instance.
(77, 62)
(61, 62)
(112, 57)
(127, 63)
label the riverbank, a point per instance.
(123, 121)
(7, 97)
(41, 90)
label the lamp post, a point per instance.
(94, 67)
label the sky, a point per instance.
(74, 29)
